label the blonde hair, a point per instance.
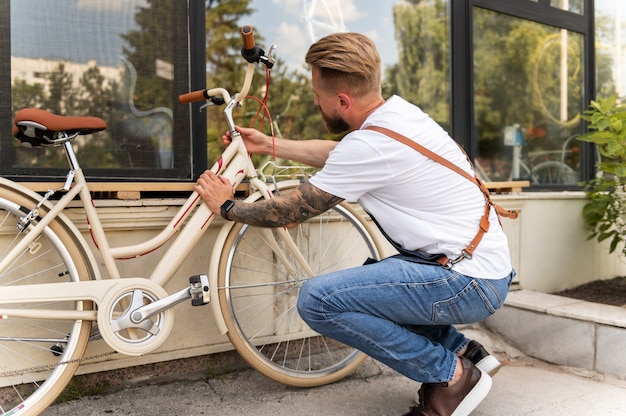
(348, 61)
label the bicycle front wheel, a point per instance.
(258, 285)
(38, 356)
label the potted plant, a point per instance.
(605, 213)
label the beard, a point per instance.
(334, 124)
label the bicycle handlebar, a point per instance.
(247, 37)
(251, 53)
(192, 97)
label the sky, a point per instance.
(97, 24)
(294, 24)
(93, 32)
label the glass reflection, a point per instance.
(528, 81)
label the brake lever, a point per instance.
(213, 100)
(270, 58)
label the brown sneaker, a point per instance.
(477, 354)
(437, 399)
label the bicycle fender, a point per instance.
(218, 246)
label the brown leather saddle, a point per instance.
(34, 127)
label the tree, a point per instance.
(25, 95)
(223, 60)
(95, 94)
(422, 73)
(146, 47)
(61, 91)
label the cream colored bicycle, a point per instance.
(53, 299)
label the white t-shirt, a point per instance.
(420, 203)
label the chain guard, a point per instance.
(119, 330)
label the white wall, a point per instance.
(549, 243)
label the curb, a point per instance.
(564, 331)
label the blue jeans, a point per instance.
(401, 313)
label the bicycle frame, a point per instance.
(190, 222)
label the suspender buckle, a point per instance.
(464, 255)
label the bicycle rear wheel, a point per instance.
(38, 357)
(258, 289)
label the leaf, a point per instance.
(595, 105)
(613, 149)
(601, 123)
(620, 113)
(604, 236)
(598, 137)
(614, 244)
(608, 103)
(620, 170)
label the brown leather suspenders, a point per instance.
(484, 221)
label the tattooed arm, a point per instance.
(312, 152)
(303, 203)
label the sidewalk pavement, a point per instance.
(524, 386)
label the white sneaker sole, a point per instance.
(475, 396)
(489, 365)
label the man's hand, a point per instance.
(256, 142)
(214, 190)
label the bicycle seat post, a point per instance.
(71, 155)
(72, 160)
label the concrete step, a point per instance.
(564, 331)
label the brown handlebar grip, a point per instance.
(192, 97)
(247, 36)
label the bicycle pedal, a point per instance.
(199, 290)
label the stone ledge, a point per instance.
(564, 331)
(567, 307)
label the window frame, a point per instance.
(463, 126)
(190, 123)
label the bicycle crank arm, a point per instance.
(143, 313)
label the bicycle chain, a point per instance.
(52, 366)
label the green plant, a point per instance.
(605, 213)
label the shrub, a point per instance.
(605, 213)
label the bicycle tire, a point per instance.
(39, 357)
(554, 172)
(258, 296)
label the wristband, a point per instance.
(226, 207)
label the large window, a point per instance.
(522, 78)
(528, 95)
(125, 61)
